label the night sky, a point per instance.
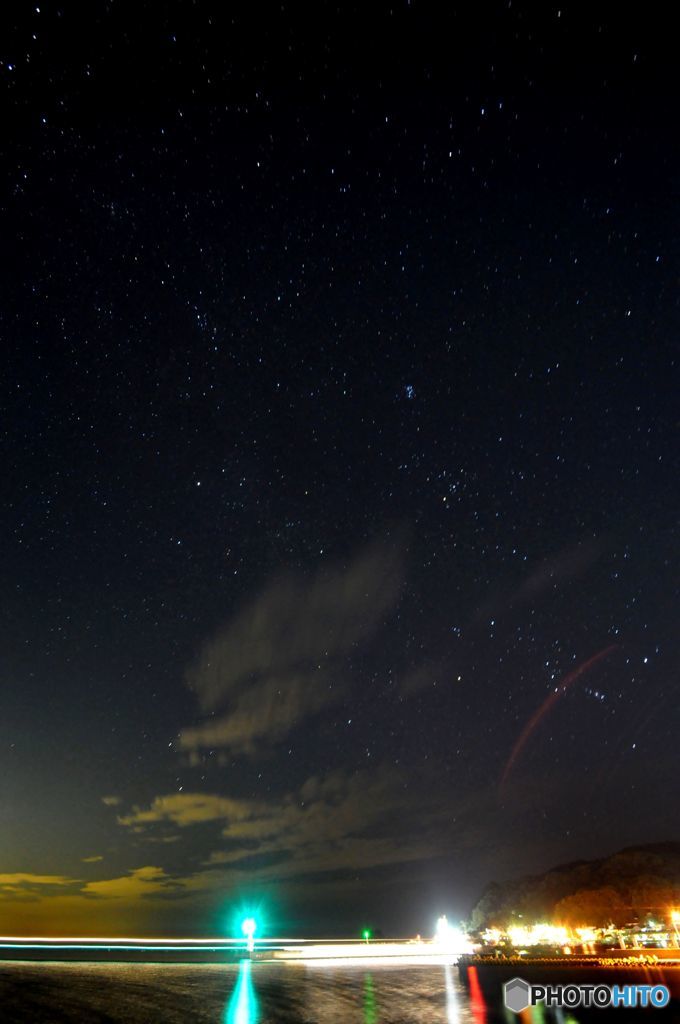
(338, 424)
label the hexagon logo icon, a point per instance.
(516, 995)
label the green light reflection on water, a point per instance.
(370, 1004)
(242, 1007)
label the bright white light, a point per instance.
(539, 935)
(452, 1011)
(449, 939)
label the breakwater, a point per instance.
(486, 975)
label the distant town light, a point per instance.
(675, 918)
(539, 935)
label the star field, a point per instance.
(338, 426)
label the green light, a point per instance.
(242, 1008)
(246, 915)
(370, 1004)
(366, 934)
(249, 927)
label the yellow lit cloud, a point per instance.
(24, 878)
(327, 824)
(138, 883)
(54, 905)
(188, 809)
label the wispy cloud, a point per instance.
(546, 576)
(189, 809)
(281, 659)
(138, 902)
(26, 886)
(430, 673)
(25, 878)
(313, 840)
(567, 564)
(328, 824)
(135, 885)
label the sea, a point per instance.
(264, 993)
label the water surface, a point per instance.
(215, 994)
(262, 993)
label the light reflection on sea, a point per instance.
(254, 993)
(258, 993)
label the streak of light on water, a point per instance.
(365, 992)
(250, 993)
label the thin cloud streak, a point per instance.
(281, 659)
